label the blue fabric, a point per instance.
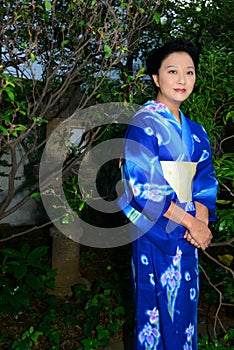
(166, 296)
(165, 265)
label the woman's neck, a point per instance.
(173, 107)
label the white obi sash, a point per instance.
(179, 175)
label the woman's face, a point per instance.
(175, 79)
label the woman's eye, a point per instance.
(190, 73)
(172, 72)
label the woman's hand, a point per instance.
(199, 234)
(190, 239)
(202, 214)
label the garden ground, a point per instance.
(104, 269)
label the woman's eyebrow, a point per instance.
(175, 66)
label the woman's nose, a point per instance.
(181, 78)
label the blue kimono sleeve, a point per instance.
(147, 194)
(205, 184)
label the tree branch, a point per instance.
(220, 302)
(219, 263)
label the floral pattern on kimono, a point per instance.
(171, 280)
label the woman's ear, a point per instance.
(156, 79)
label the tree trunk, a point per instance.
(65, 260)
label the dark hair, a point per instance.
(155, 58)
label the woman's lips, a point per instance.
(180, 91)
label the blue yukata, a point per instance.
(164, 264)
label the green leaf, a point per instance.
(123, 5)
(6, 118)
(14, 133)
(93, 3)
(157, 17)
(10, 253)
(65, 42)
(107, 50)
(22, 112)
(33, 281)
(223, 201)
(10, 94)
(81, 206)
(114, 326)
(3, 130)
(19, 300)
(20, 127)
(25, 250)
(47, 5)
(32, 57)
(230, 115)
(67, 219)
(21, 345)
(20, 271)
(102, 333)
(35, 195)
(54, 336)
(9, 80)
(35, 256)
(35, 336)
(119, 310)
(39, 120)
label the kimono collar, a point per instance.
(182, 129)
(187, 137)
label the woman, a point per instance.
(170, 194)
